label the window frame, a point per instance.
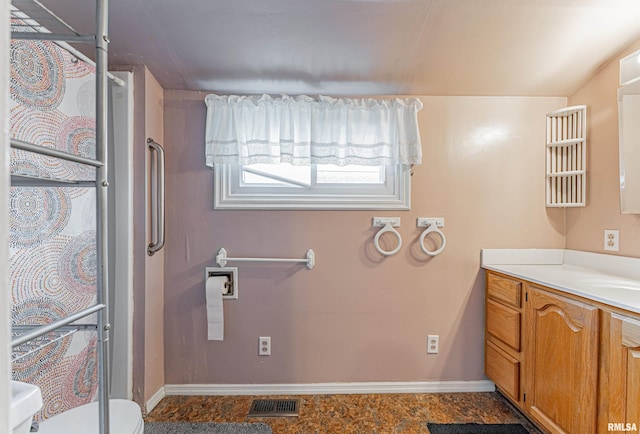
(395, 194)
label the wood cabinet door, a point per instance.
(624, 371)
(561, 362)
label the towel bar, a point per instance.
(221, 259)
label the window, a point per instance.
(318, 186)
(305, 153)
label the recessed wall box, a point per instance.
(231, 287)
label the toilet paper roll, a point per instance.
(215, 314)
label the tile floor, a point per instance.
(375, 413)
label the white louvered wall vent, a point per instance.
(567, 157)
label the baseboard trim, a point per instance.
(154, 400)
(330, 388)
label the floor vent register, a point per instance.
(274, 408)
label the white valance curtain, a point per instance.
(302, 130)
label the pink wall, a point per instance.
(154, 265)
(585, 226)
(148, 272)
(356, 317)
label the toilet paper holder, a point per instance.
(231, 285)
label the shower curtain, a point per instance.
(53, 229)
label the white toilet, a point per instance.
(124, 418)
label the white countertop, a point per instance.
(609, 279)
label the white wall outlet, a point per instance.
(433, 343)
(611, 240)
(264, 346)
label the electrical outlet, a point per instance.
(264, 346)
(612, 240)
(433, 342)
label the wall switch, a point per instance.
(433, 342)
(612, 240)
(264, 346)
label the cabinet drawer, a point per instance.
(504, 324)
(503, 370)
(503, 289)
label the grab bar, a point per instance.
(310, 259)
(157, 197)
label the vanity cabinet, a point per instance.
(624, 371)
(542, 352)
(503, 313)
(561, 377)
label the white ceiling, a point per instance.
(356, 47)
